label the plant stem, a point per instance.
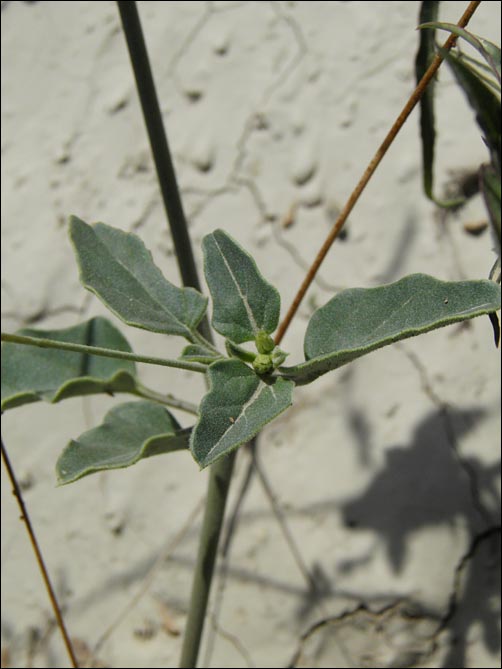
(220, 473)
(219, 482)
(167, 399)
(160, 148)
(230, 529)
(368, 173)
(45, 575)
(104, 352)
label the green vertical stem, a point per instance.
(219, 481)
(160, 147)
(220, 473)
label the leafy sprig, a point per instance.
(247, 389)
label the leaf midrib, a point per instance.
(247, 306)
(242, 415)
(367, 347)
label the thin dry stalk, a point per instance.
(16, 490)
(370, 170)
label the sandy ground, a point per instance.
(386, 472)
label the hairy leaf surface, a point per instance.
(199, 353)
(31, 374)
(117, 267)
(244, 303)
(360, 320)
(238, 405)
(129, 433)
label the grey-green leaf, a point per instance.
(31, 374)
(117, 267)
(239, 352)
(360, 320)
(199, 353)
(243, 301)
(129, 433)
(237, 406)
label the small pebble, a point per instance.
(311, 195)
(304, 166)
(475, 228)
(202, 155)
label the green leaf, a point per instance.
(490, 187)
(483, 101)
(472, 79)
(496, 328)
(30, 374)
(117, 267)
(235, 351)
(130, 432)
(425, 54)
(199, 353)
(237, 406)
(483, 72)
(243, 302)
(360, 320)
(489, 50)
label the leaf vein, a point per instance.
(242, 417)
(243, 297)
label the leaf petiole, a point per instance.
(166, 399)
(198, 338)
(104, 352)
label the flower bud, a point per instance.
(278, 357)
(264, 342)
(262, 364)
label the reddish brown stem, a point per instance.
(38, 554)
(369, 171)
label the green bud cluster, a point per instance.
(269, 355)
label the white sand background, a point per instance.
(386, 472)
